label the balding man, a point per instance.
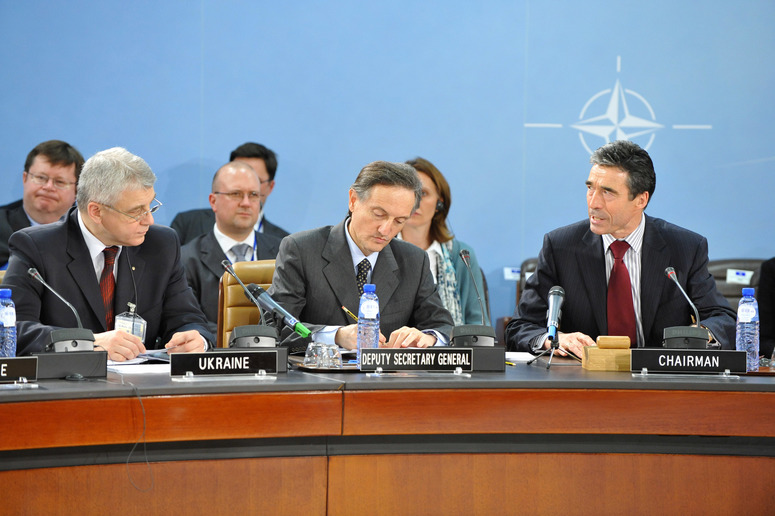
(235, 201)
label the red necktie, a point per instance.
(108, 284)
(621, 314)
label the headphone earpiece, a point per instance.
(440, 205)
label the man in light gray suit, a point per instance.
(316, 269)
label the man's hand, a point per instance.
(186, 342)
(347, 337)
(406, 337)
(119, 344)
(573, 342)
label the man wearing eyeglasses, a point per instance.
(192, 223)
(104, 257)
(235, 202)
(49, 180)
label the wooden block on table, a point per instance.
(597, 359)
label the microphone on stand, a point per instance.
(472, 335)
(251, 336)
(553, 314)
(270, 305)
(684, 337)
(66, 339)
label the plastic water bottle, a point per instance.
(8, 321)
(368, 319)
(747, 336)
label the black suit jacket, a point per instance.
(192, 223)
(315, 277)
(59, 252)
(12, 219)
(767, 308)
(572, 257)
(202, 259)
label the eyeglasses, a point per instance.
(43, 180)
(137, 217)
(238, 196)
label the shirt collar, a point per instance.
(226, 242)
(355, 251)
(635, 239)
(93, 244)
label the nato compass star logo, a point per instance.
(616, 113)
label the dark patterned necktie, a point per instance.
(108, 285)
(621, 313)
(362, 277)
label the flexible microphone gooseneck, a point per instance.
(227, 266)
(75, 339)
(670, 273)
(251, 336)
(271, 305)
(465, 255)
(685, 337)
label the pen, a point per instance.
(511, 364)
(349, 313)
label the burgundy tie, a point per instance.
(108, 284)
(621, 314)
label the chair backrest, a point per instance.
(234, 308)
(744, 272)
(526, 270)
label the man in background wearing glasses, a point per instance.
(235, 202)
(104, 257)
(49, 179)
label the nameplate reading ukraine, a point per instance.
(416, 359)
(14, 368)
(224, 363)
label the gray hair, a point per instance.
(388, 174)
(107, 174)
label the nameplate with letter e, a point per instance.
(658, 360)
(417, 359)
(15, 368)
(228, 363)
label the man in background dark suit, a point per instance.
(235, 203)
(192, 223)
(49, 180)
(116, 200)
(579, 258)
(316, 270)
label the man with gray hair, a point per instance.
(105, 258)
(316, 269)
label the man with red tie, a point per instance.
(612, 267)
(107, 257)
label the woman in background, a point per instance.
(427, 229)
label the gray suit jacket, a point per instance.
(315, 276)
(202, 259)
(572, 257)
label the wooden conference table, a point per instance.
(532, 441)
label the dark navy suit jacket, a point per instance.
(572, 257)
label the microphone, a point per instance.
(465, 255)
(270, 305)
(64, 340)
(250, 336)
(553, 314)
(684, 337)
(470, 335)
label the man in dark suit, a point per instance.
(580, 259)
(192, 223)
(49, 181)
(316, 270)
(112, 223)
(235, 202)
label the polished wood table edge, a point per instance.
(104, 421)
(558, 411)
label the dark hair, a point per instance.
(629, 157)
(256, 150)
(387, 174)
(439, 230)
(57, 153)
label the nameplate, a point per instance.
(659, 360)
(12, 369)
(417, 359)
(224, 363)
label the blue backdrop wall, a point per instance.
(507, 98)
